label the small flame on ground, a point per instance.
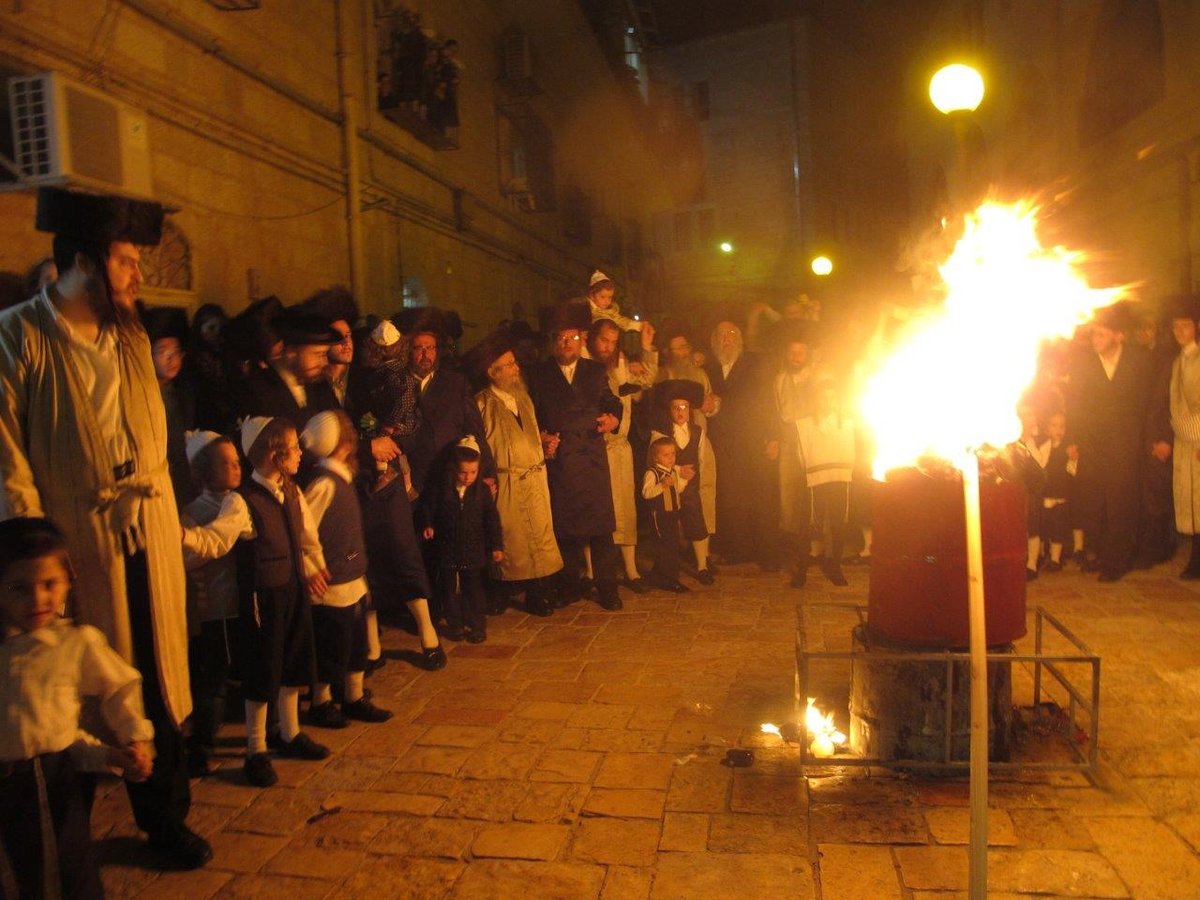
(768, 728)
(953, 383)
(825, 736)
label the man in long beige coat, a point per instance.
(83, 441)
(531, 553)
(603, 346)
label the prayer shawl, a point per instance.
(523, 492)
(54, 463)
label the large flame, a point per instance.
(953, 383)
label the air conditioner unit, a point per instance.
(66, 133)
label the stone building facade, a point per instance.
(245, 117)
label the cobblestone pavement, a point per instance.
(579, 756)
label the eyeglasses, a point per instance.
(568, 339)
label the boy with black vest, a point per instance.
(279, 569)
(340, 614)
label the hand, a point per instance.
(1161, 451)
(687, 472)
(318, 583)
(497, 556)
(772, 450)
(126, 520)
(492, 486)
(647, 337)
(710, 405)
(606, 423)
(384, 449)
(636, 369)
(1073, 453)
(133, 760)
(550, 443)
(668, 481)
(427, 534)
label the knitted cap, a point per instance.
(195, 441)
(251, 429)
(321, 434)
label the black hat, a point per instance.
(571, 315)
(165, 322)
(444, 324)
(298, 329)
(249, 335)
(1118, 317)
(333, 303)
(102, 218)
(665, 392)
(477, 360)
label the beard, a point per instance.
(110, 309)
(514, 385)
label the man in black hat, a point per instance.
(575, 408)
(1107, 403)
(294, 386)
(83, 442)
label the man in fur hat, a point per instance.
(83, 441)
(1107, 400)
(531, 556)
(575, 408)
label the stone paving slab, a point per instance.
(580, 757)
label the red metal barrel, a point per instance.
(918, 591)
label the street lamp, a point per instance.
(821, 265)
(956, 88)
(726, 247)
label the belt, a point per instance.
(124, 470)
(525, 473)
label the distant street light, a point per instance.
(726, 247)
(822, 265)
(956, 88)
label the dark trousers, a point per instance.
(468, 606)
(605, 561)
(21, 828)
(830, 511)
(1108, 500)
(161, 802)
(210, 659)
(666, 545)
(277, 642)
(1056, 525)
(341, 642)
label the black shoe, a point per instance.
(1031, 575)
(1053, 566)
(182, 847)
(496, 607)
(373, 666)
(676, 587)
(198, 764)
(1111, 576)
(1191, 573)
(363, 710)
(611, 602)
(259, 771)
(705, 576)
(433, 658)
(539, 607)
(1089, 565)
(476, 636)
(638, 585)
(836, 577)
(453, 632)
(326, 715)
(302, 747)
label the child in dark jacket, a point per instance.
(462, 521)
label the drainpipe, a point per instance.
(348, 110)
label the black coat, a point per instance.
(466, 531)
(267, 395)
(395, 570)
(448, 413)
(580, 487)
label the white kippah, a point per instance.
(598, 276)
(469, 441)
(385, 334)
(321, 434)
(251, 429)
(195, 441)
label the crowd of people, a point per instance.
(237, 499)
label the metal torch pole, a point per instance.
(979, 687)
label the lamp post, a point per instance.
(957, 90)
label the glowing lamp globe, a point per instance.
(822, 266)
(956, 88)
(726, 247)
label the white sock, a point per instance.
(1032, 554)
(321, 694)
(1056, 552)
(587, 560)
(256, 727)
(420, 611)
(1077, 538)
(627, 556)
(354, 687)
(374, 649)
(289, 713)
(700, 548)
(867, 536)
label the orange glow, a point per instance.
(825, 737)
(953, 381)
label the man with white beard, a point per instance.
(626, 382)
(510, 426)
